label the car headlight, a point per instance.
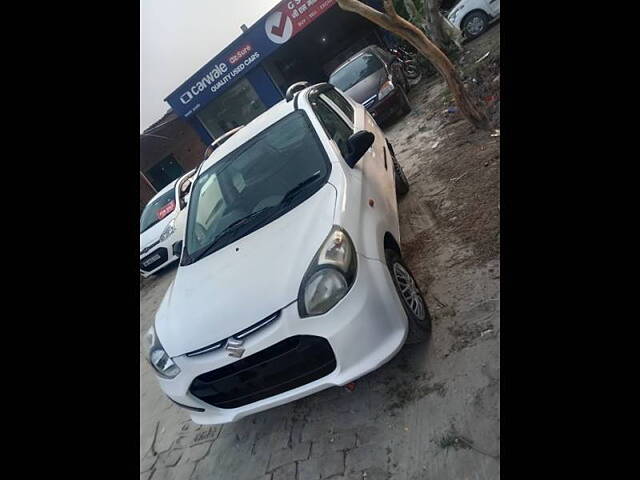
(386, 89)
(157, 357)
(454, 14)
(168, 231)
(330, 275)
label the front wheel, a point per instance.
(411, 298)
(475, 24)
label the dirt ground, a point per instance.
(454, 171)
(432, 412)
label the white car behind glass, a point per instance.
(291, 278)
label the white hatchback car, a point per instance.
(162, 225)
(473, 17)
(291, 279)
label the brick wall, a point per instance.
(146, 193)
(181, 141)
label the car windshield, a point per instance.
(255, 184)
(157, 209)
(354, 71)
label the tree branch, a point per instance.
(366, 11)
(390, 9)
(413, 12)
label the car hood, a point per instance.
(246, 281)
(152, 235)
(368, 86)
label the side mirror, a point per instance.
(357, 145)
(177, 248)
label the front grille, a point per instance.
(284, 366)
(238, 336)
(146, 249)
(163, 258)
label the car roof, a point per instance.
(250, 130)
(367, 49)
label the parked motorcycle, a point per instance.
(409, 63)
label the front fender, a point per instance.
(366, 224)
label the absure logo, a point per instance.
(240, 54)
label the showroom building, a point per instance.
(296, 40)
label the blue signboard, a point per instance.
(283, 22)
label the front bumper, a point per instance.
(364, 330)
(388, 107)
(164, 250)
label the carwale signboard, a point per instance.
(283, 22)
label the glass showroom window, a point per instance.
(237, 106)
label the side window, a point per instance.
(342, 103)
(335, 127)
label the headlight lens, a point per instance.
(386, 89)
(323, 290)
(330, 275)
(157, 357)
(168, 231)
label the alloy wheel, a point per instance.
(475, 26)
(409, 291)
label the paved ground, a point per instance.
(433, 412)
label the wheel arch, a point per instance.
(390, 243)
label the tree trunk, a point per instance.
(433, 22)
(413, 12)
(394, 23)
(454, 34)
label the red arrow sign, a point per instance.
(279, 29)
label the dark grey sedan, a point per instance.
(374, 78)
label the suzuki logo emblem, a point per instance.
(234, 347)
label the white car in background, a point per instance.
(291, 278)
(473, 17)
(162, 225)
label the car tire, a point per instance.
(412, 299)
(477, 21)
(402, 183)
(411, 70)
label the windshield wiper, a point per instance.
(293, 193)
(231, 228)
